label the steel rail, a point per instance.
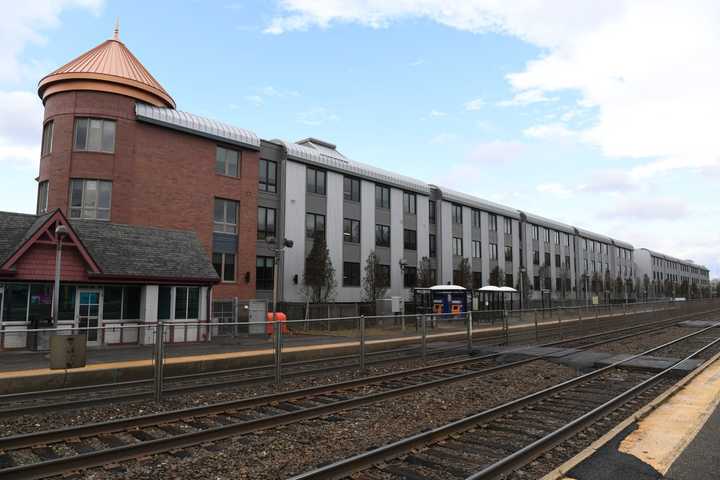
(367, 459)
(28, 439)
(88, 460)
(527, 454)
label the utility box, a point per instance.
(398, 304)
(67, 351)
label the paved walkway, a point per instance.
(677, 440)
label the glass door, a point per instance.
(87, 314)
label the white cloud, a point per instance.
(610, 181)
(548, 131)
(647, 67)
(444, 138)
(416, 63)
(23, 23)
(555, 189)
(256, 100)
(526, 97)
(21, 116)
(645, 209)
(475, 104)
(316, 116)
(437, 113)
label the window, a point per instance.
(47, 138)
(224, 264)
(315, 181)
(457, 247)
(508, 226)
(492, 220)
(410, 239)
(95, 135)
(548, 283)
(508, 279)
(432, 247)
(264, 267)
(121, 303)
(351, 230)
(433, 213)
(567, 261)
(42, 197)
(557, 237)
(585, 244)
(265, 223)
(493, 251)
(558, 284)
(535, 232)
(586, 265)
(351, 274)
(382, 235)
(477, 279)
(382, 196)
(187, 303)
(225, 214)
(536, 282)
(536, 257)
(557, 260)
(410, 277)
(90, 199)
(547, 259)
(351, 189)
(227, 162)
(508, 253)
(267, 176)
(409, 203)
(476, 249)
(546, 235)
(314, 225)
(567, 239)
(384, 275)
(475, 213)
(457, 214)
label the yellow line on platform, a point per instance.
(664, 434)
(97, 367)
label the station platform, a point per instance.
(676, 437)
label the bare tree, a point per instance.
(319, 276)
(564, 275)
(524, 287)
(619, 287)
(374, 284)
(464, 274)
(425, 273)
(497, 277)
(596, 283)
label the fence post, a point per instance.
(159, 359)
(506, 327)
(277, 350)
(423, 336)
(362, 344)
(469, 332)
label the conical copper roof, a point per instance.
(109, 67)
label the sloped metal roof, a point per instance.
(546, 222)
(314, 156)
(197, 125)
(688, 263)
(472, 201)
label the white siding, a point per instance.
(485, 239)
(334, 235)
(367, 223)
(396, 241)
(294, 258)
(467, 234)
(423, 229)
(446, 273)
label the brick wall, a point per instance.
(161, 177)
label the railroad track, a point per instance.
(85, 396)
(500, 440)
(40, 454)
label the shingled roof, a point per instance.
(141, 253)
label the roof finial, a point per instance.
(116, 32)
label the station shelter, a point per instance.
(110, 275)
(442, 299)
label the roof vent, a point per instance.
(317, 141)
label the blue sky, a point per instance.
(578, 111)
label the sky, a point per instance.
(602, 115)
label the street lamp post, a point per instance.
(60, 233)
(277, 342)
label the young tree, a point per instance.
(497, 277)
(319, 276)
(374, 284)
(694, 291)
(684, 289)
(524, 287)
(596, 283)
(619, 287)
(425, 273)
(607, 283)
(545, 272)
(464, 274)
(564, 275)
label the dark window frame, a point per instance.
(351, 189)
(382, 235)
(221, 260)
(266, 181)
(311, 233)
(264, 278)
(351, 230)
(84, 204)
(83, 146)
(410, 203)
(351, 274)
(264, 213)
(312, 183)
(225, 225)
(382, 194)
